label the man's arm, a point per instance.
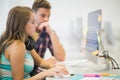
(58, 49)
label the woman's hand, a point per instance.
(52, 60)
(57, 71)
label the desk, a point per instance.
(87, 78)
(89, 68)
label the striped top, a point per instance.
(5, 68)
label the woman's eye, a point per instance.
(33, 22)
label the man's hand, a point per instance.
(46, 26)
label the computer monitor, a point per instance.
(93, 32)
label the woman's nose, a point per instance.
(36, 25)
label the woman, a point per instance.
(15, 61)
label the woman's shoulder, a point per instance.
(16, 46)
(17, 43)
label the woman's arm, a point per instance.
(42, 75)
(16, 53)
(56, 71)
(39, 61)
(53, 71)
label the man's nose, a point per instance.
(46, 18)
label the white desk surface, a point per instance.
(83, 67)
(88, 78)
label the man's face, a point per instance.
(42, 15)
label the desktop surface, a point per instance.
(87, 70)
(90, 76)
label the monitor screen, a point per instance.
(94, 23)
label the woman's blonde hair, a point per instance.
(17, 19)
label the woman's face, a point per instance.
(31, 25)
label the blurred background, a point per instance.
(69, 20)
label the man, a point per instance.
(46, 37)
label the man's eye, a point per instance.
(42, 15)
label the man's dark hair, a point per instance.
(40, 4)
